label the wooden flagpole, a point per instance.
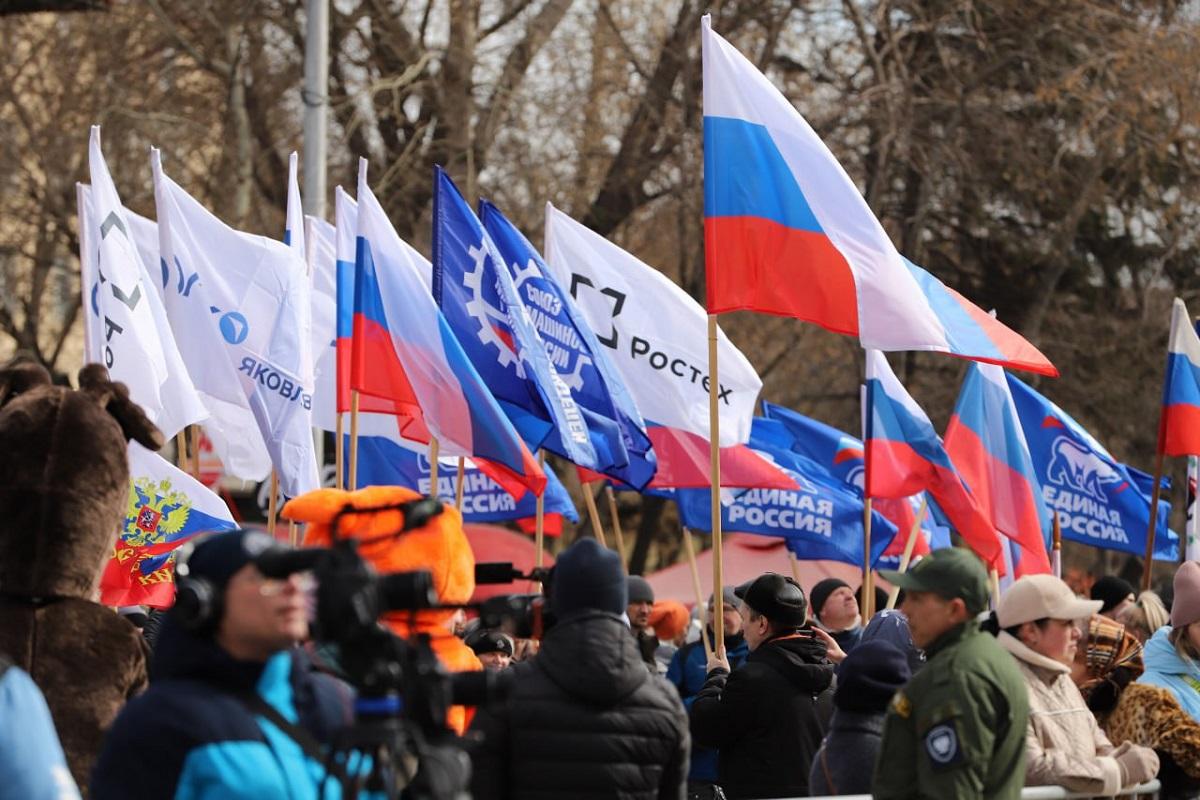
(293, 533)
(690, 547)
(353, 440)
(590, 500)
(866, 598)
(181, 449)
(616, 523)
(1158, 470)
(435, 449)
(458, 486)
(794, 563)
(539, 519)
(273, 504)
(714, 453)
(339, 454)
(994, 580)
(196, 452)
(868, 584)
(909, 546)
(1056, 547)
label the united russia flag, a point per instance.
(1179, 425)
(787, 232)
(987, 444)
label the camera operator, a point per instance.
(585, 716)
(233, 709)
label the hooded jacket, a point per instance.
(689, 671)
(767, 718)
(585, 719)
(1063, 744)
(190, 736)
(1165, 669)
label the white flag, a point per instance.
(240, 307)
(658, 334)
(125, 324)
(293, 231)
(320, 238)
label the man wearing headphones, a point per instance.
(234, 709)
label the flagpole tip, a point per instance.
(362, 170)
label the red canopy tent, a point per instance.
(746, 556)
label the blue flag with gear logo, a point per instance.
(480, 302)
(623, 447)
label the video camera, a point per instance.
(404, 692)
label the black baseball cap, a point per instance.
(777, 597)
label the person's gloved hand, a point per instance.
(1138, 764)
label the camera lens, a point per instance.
(407, 591)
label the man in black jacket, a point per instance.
(585, 718)
(767, 718)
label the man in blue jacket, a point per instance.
(688, 671)
(234, 709)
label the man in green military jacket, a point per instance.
(957, 730)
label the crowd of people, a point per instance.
(228, 694)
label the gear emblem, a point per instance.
(493, 323)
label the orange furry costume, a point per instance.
(440, 547)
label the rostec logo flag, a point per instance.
(241, 306)
(125, 326)
(656, 334)
(1097, 499)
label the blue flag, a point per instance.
(384, 462)
(841, 455)
(486, 314)
(1099, 501)
(617, 430)
(821, 520)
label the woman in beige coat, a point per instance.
(1063, 745)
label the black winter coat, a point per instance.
(768, 717)
(846, 761)
(585, 719)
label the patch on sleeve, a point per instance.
(901, 705)
(943, 747)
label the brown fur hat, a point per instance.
(64, 477)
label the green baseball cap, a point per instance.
(950, 572)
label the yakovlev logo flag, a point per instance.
(240, 306)
(166, 508)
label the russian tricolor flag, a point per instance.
(904, 455)
(1179, 425)
(405, 351)
(987, 444)
(787, 232)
